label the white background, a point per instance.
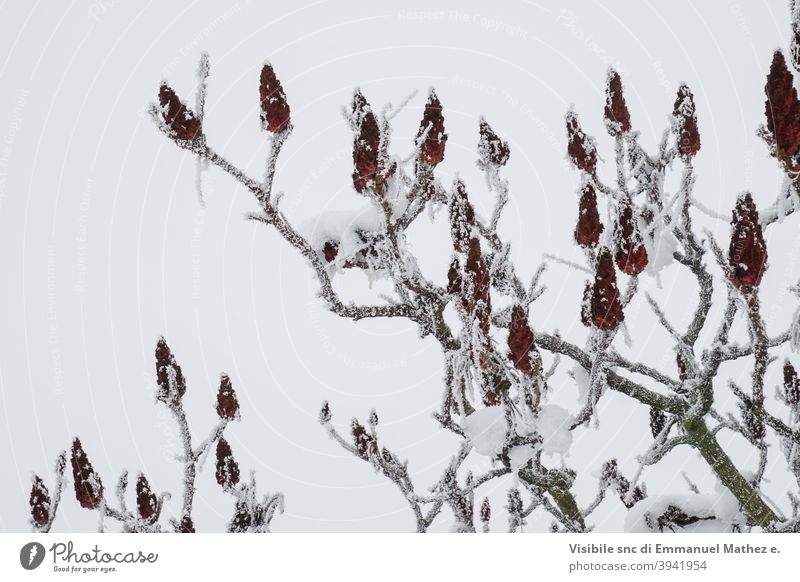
(104, 244)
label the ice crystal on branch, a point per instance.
(617, 117)
(431, 132)
(685, 123)
(782, 107)
(580, 147)
(631, 253)
(275, 111)
(227, 403)
(747, 253)
(88, 486)
(39, 502)
(181, 121)
(605, 307)
(589, 227)
(366, 143)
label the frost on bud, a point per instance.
(40, 502)
(492, 151)
(171, 383)
(227, 403)
(589, 227)
(521, 345)
(275, 116)
(605, 308)
(682, 375)
(366, 143)
(180, 119)
(325, 413)
(747, 253)
(782, 107)
(618, 119)
(330, 250)
(580, 147)
(227, 472)
(586, 305)
(685, 123)
(186, 525)
(146, 500)
(454, 278)
(479, 304)
(631, 253)
(486, 510)
(373, 418)
(791, 384)
(362, 440)
(242, 519)
(88, 487)
(753, 419)
(462, 217)
(431, 149)
(657, 421)
(795, 46)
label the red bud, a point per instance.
(432, 126)
(39, 502)
(618, 119)
(684, 113)
(146, 500)
(491, 149)
(580, 147)
(589, 227)
(274, 107)
(227, 404)
(366, 143)
(180, 119)
(227, 468)
(171, 383)
(521, 343)
(631, 254)
(605, 307)
(747, 253)
(88, 487)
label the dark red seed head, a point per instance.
(491, 149)
(180, 119)
(275, 113)
(618, 119)
(747, 253)
(782, 107)
(605, 307)
(589, 227)
(88, 486)
(39, 502)
(432, 127)
(146, 500)
(227, 472)
(685, 126)
(227, 403)
(580, 147)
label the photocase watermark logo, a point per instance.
(32, 555)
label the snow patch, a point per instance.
(486, 429)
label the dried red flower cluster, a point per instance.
(589, 227)
(605, 307)
(146, 500)
(791, 384)
(782, 108)
(521, 343)
(363, 442)
(747, 253)
(171, 383)
(227, 472)
(40, 502)
(275, 113)
(88, 487)
(631, 254)
(182, 122)
(432, 127)
(580, 147)
(618, 119)
(366, 143)
(227, 403)
(491, 148)
(684, 113)
(612, 477)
